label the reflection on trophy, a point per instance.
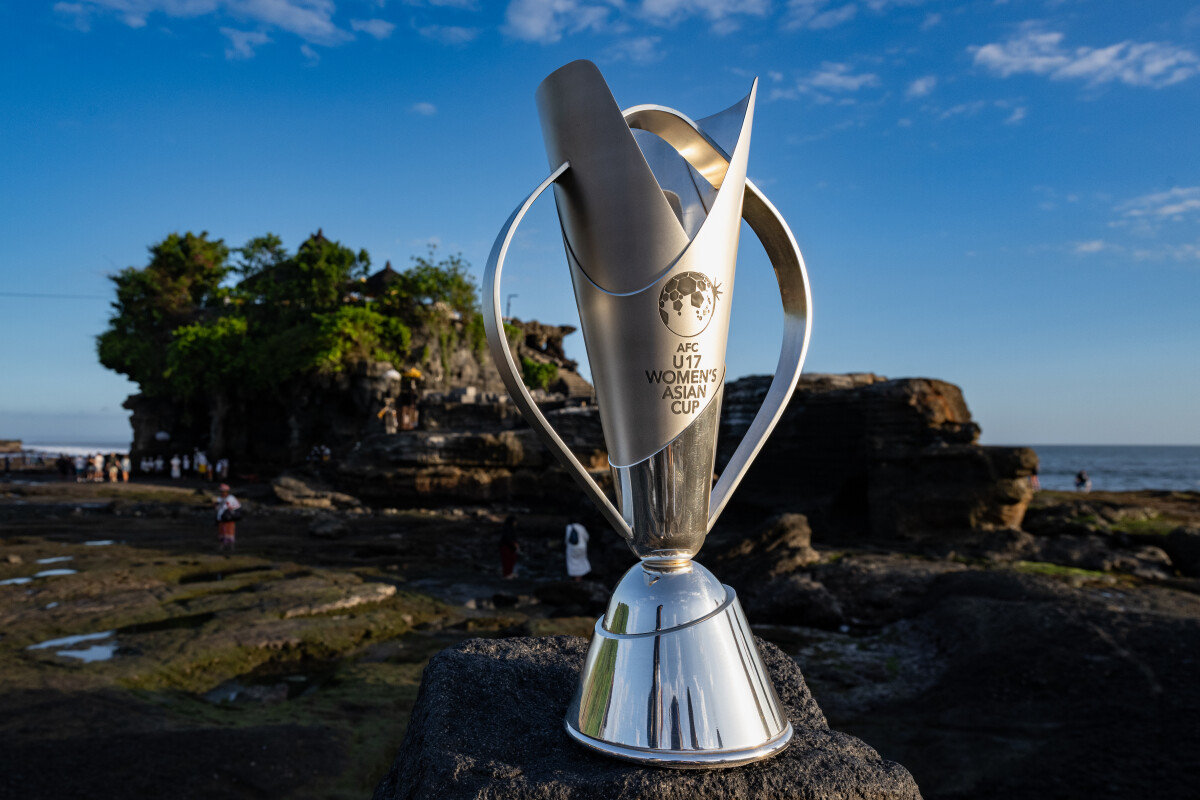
(651, 205)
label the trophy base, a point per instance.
(673, 677)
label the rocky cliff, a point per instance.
(860, 454)
(269, 431)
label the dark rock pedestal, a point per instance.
(488, 724)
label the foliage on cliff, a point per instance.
(196, 320)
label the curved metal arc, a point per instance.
(679, 131)
(493, 322)
(777, 239)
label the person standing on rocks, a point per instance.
(1083, 481)
(175, 463)
(576, 539)
(126, 468)
(509, 548)
(229, 511)
(388, 415)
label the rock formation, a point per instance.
(275, 430)
(860, 454)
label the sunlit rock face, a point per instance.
(864, 455)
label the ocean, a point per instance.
(77, 448)
(1120, 468)
(1113, 468)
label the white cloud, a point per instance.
(80, 14)
(311, 20)
(242, 43)
(884, 5)
(1185, 253)
(963, 109)
(716, 11)
(639, 50)
(1094, 246)
(838, 78)
(921, 86)
(833, 17)
(424, 109)
(1173, 205)
(448, 34)
(1016, 116)
(830, 78)
(816, 14)
(546, 21)
(931, 20)
(1040, 52)
(313, 57)
(379, 28)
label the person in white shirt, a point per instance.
(576, 538)
(228, 511)
(175, 462)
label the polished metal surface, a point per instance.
(649, 599)
(656, 369)
(651, 205)
(689, 695)
(665, 497)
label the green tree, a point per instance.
(180, 285)
(429, 282)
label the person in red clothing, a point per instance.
(509, 548)
(229, 511)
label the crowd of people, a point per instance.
(117, 467)
(97, 467)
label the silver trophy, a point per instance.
(651, 205)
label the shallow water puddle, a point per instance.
(50, 573)
(55, 559)
(102, 651)
(15, 581)
(97, 652)
(99, 543)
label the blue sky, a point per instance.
(1004, 195)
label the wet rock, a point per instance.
(488, 723)
(1099, 553)
(367, 593)
(1050, 691)
(1183, 545)
(574, 598)
(328, 528)
(792, 600)
(13, 558)
(784, 546)
(308, 493)
(883, 588)
(476, 463)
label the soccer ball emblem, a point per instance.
(687, 301)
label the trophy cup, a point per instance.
(651, 204)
